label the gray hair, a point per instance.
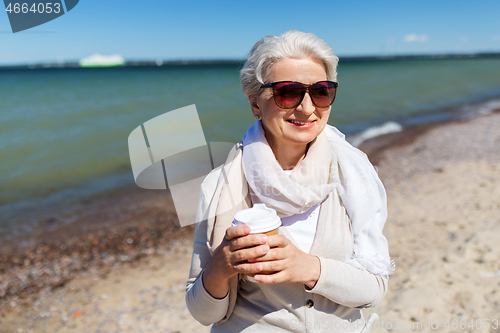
(291, 44)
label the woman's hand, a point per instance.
(289, 263)
(231, 258)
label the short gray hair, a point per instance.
(291, 44)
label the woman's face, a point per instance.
(292, 128)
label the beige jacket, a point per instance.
(333, 305)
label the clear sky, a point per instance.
(173, 30)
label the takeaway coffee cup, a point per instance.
(261, 220)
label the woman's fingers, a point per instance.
(253, 253)
(238, 247)
(278, 277)
(248, 253)
(237, 231)
(273, 265)
(247, 241)
(277, 241)
(274, 257)
(281, 248)
(275, 253)
(247, 268)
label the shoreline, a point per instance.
(116, 227)
(376, 146)
(65, 208)
(137, 228)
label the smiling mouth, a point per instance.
(300, 123)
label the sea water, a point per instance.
(65, 130)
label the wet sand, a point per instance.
(122, 267)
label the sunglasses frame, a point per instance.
(307, 86)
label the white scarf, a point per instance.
(317, 175)
(310, 182)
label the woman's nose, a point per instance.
(306, 106)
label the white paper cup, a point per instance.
(260, 218)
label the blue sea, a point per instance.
(63, 131)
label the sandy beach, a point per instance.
(443, 230)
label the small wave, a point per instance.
(481, 109)
(388, 127)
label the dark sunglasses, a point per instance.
(289, 94)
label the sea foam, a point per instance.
(388, 127)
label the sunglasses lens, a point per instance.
(323, 93)
(288, 94)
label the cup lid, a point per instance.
(259, 218)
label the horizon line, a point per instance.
(186, 62)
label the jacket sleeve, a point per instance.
(349, 286)
(203, 307)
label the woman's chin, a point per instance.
(305, 133)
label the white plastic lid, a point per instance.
(259, 218)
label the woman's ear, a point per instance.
(255, 107)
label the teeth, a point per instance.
(298, 122)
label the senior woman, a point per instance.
(330, 258)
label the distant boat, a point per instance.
(98, 60)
